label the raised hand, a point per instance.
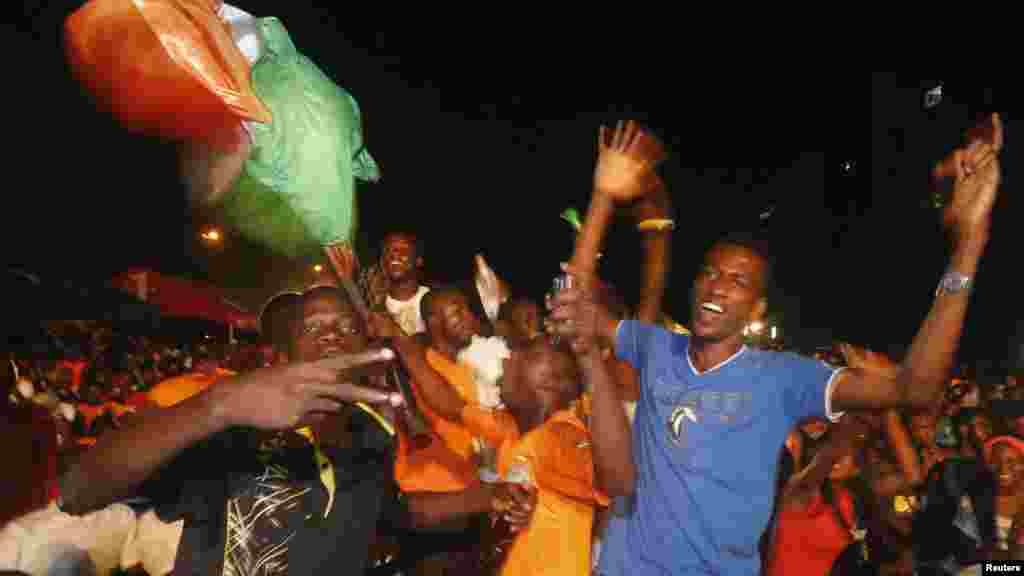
(577, 313)
(868, 360)
(342, 259)
(284, 396)
(976, 171)
(626, 161)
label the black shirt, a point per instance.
(254, 505)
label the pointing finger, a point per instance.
(321, 405)
(346, 361)
(347, 392)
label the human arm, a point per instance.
(436, 392)
(654, 206)
(624, 173)
(846, 436)
(513, 501)
(275, 398)
(920, 381)
(909, 472)
(611, 433)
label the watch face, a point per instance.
(954, 282)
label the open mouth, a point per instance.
(712, 307)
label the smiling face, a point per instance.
(454, 320)
(399, 259)
(728, 294)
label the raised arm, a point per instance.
(434, 390)
(653, 217)
(910, 472)
(624, 173)
(921, 379)
(844, 438)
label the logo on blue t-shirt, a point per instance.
(677, 422)
(696, 406)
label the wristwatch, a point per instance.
(953, 283)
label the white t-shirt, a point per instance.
(49, 541)
(407, 313)
(154, 545)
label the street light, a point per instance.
(212, 235)
(318, 268)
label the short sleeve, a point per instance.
(631, 337)
(808, 391)
(565, 463)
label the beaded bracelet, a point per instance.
(656, 225)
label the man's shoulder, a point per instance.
(437, 360)
(654, 334)
(783, 360)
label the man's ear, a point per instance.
(759, 311)
(419, 261)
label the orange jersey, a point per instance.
(560, 461)
(176, 390)
(448, 464)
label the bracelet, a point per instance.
(656, 225)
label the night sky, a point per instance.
(484, 137)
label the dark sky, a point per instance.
(484, 138)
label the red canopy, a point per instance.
(184, 298)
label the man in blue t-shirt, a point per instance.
(695, 474)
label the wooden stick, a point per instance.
(415, 421)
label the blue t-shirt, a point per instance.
(706, 448)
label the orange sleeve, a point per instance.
(565, 463)
(494, 426)
(434, 468)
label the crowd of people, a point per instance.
(466, 429)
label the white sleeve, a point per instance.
(832, 416)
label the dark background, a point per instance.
(485, 137)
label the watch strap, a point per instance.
(954, 283)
